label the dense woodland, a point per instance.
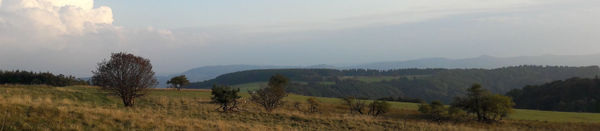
(426, 84)
(575, 95)
(41, 78)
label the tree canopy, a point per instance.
(483, 104)
(178, 82)
(125, 75)
(574, 94)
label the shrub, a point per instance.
(355, 105)
(313, 105)
(379, 107)
(484, 105)
(435, 110)
(226, 97)
(271, 96)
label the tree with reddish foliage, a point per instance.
(125, 75)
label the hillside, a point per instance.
(575, 94)
(427, 84)
(87, 108)
(211, 72)
(487, 62)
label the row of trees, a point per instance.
(479, 102)
(574, 94)
(35, 78)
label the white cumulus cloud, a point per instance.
(68, 36)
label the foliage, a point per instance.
(354, 104)
(313, 105)
(436, 110)
(426, 84)
(33, 78)
(178, 82)
(125, 75)
(485, 106)
(574, 94)
(378, 107)
(271, 96)
(226, 96)
(402, 99)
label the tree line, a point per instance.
(574, 95)
(426, 84)
(38, 78)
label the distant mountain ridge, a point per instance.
(484, 61)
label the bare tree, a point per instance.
(125, 75)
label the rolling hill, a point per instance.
(427, 84)
(486, 62)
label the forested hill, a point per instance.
(427, 84)
(305, 75)
(575, 94)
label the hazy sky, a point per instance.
(71, 36)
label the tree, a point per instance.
(486, 106)
(178, 82)
(125, 75)
(378, 107)
(313, 105)
(226, 97)
(271, 96)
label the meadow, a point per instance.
(24, 107)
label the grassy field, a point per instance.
(88, 108)
(250, 86)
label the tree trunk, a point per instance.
(128, 101)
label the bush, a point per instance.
(313, 105)
(485, 106)
(355, 105)
(226, 97)
(271, 96)
(435, 111)
(379, 107)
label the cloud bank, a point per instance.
(65, 36)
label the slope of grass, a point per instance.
(88, 108)
(250, 86)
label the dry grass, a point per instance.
(87, 108)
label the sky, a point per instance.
(72, 36)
